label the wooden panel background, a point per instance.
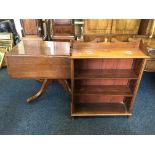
(30, 26)
(94, 28)
(99, 99)
(125, 26)
(104, 63)
(62, 21)
(100, 26)
(62, 27)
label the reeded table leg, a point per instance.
(44, 86)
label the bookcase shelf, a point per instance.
(105, 74)
(112, 90)
(100, 109)
(105, 78)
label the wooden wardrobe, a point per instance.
(31, 27)
(103, 28)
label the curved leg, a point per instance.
(44, 86)
(66, 86)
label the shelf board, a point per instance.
(112, 90)
(105, 74)
(100, 109)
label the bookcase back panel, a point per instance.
(104, 64)
(99, 99)
(101, 82)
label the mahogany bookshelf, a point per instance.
(105, 77)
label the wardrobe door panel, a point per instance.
(30, 26)
(97, 26)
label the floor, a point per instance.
(50, 114)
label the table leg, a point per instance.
(66, 86)
(44, 86)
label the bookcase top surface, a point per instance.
(117, 49)
(108, 53)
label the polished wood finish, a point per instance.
(38, 59)
(38, 67)
(106, 45)
(63, 38)
(43, 88)
(112, 90)
(103, 81)
(105, 74)
(41, 48)
(30, 26)
(141, 65)
(45, 84)
(105, 77)
(110, 50)
(125, 26)
(92, 99)
(72, 86)
(97, 26)
(101, 109)
(32, 37)
(62, 21)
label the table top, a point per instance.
(41, 48)
(53, 48)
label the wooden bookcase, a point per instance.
(105, 77)
(32, 28)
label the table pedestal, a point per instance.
(45, 84)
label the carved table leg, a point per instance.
(66, 86)
(44, 86)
